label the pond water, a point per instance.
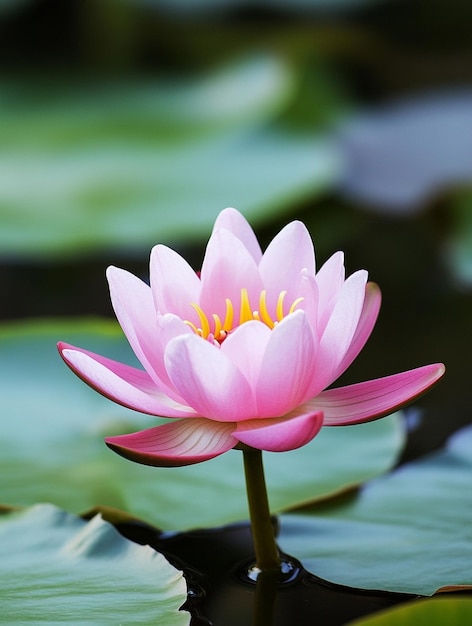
(216, 562)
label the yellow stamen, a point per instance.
(205, 329)
(221, 329)
(280, 305)
(192, 326)
(263, 313)
(228, 323)
(295, 304)
(218, 327)
(245, 314)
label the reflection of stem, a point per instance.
(267, 555)
(264, 601)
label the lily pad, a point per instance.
(129, 165)
(57, 568)
(458, 247)
(399, 156)
(44, 115)
(53, 448)
(409, 531)
(430, 612)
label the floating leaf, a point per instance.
(43, 115)
(53, 446)
(128, 165)
(57, 568)
(431, 612)
(398, 156)
(409, 531)
(458, 249)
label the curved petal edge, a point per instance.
(179, 443)
(372, 399)
(124, 384)
(280, 434)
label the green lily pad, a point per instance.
(53, 446)
(430, 612)
(458, 248)
(409, 531)
(57, 568)
(131, 164)
(42, 116)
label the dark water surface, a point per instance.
(215, 563)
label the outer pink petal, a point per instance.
(288, 254)
(287, 368)
(121, 383)
(134, 309)
(370, 312)
(372, 399)
(340, 330)
(175, 285)
(208, 380)
(178, 443)
(227, 268)
(233, 221)
(280, 434)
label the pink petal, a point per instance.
(126, 385)
(208, 381)
(232, 220)
(329, 278)
(175, 285)
(288, 254)
(287, 367)
(339, 331)
(280, 434)
(307, 289)
(134, 309)
(227, 268)
(168, 327)
(246, 346)
(183, 442)
(372, 399)
(370, 312)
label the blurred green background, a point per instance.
(124, 123)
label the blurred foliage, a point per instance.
(127, 164)
(204, 6)
(404, 154)
(458, 249)
(126, 122)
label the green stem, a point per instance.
(265, 598)
(267, 555)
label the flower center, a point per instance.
(216, 329)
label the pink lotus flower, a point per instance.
(243, 352)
